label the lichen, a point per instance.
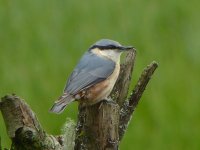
(68, 131)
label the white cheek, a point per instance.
(112, 54)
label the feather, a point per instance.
(91, 70)
(61, 103)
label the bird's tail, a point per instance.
(61, 103)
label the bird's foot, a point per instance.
(108, 100)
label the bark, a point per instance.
(23, 127)
(129, 106)
(99, 127)
(121, 88)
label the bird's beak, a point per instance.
(127, 48)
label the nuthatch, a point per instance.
(95, 75)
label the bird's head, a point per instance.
(109, 48)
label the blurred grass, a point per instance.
(41, 42)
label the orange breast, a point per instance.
(96, 92)
(101, 90)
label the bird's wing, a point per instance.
(90, 70)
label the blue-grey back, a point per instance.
(90, 70)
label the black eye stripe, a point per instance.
(105, 47)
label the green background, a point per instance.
(41, 42)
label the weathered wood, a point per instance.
(97, 127)
(23, 127)
(120, 90)
(130, 105)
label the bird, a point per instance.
(95, 75)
